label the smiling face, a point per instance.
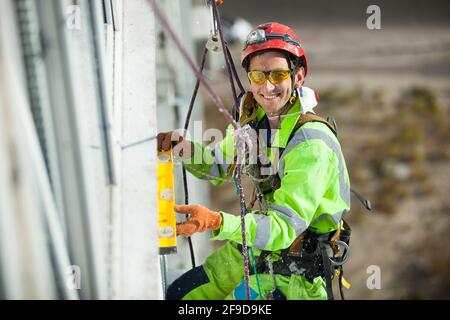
(273, 97)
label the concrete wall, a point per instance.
(82, 82)
(93, 209)
(140, 268)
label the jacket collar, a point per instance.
(281, 135)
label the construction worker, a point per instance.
(300, 203)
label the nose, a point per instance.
(268, 85)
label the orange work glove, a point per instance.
(201, 219)
(181, 148)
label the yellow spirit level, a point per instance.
(166, 200)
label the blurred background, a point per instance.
(389, 92)
(86, 85)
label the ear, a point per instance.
(299, 77)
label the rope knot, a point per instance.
(245, 138)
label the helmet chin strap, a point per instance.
(284, 109)
(293, 70)
(293, 73)
(293, 96)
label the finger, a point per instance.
(199, 226)
(183, 149)
(177, 138)
(186, 229)
(159, 139)
(167, 142)
(186, 208)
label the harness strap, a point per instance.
(366, 203)
(341, 277)
(295, 249)
(327, 270)
(311, 117)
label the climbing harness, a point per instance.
(311, 255)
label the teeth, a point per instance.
(270, 97)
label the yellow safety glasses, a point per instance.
(275, 76)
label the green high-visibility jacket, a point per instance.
(314, 191)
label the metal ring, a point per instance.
(345, 254)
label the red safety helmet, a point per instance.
(273, 35)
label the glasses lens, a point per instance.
(277, 76)
(257, 77)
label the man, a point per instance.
(301, 204)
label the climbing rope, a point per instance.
(186, 126)
(215, 98)
(242, 139)
(228, 58)
(238, 192)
